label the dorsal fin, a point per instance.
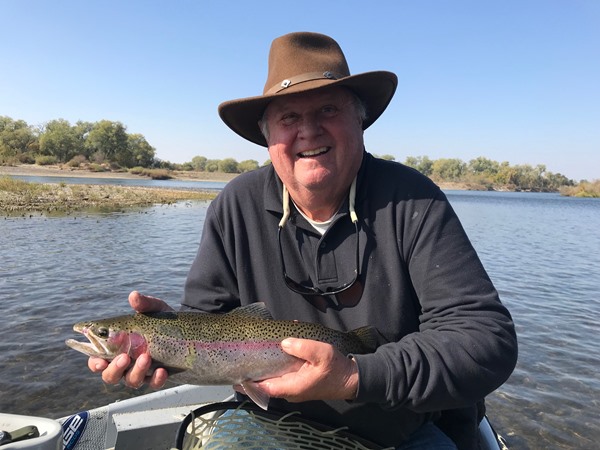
(369, 336)
(258, 310)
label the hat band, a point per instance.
(302, 78)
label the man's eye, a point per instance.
(289, 119)
(329, 109)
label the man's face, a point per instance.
(315, 139)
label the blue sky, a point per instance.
(510, 80)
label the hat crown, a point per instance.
(302, 57)
(306, 62)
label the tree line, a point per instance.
(481, 172)
(490, 174)
(104, 142)
(58, 141)
(107, 142)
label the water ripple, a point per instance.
(541, 251)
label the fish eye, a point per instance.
(102, 332)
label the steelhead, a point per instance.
(214, 349)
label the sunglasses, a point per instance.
(302, 289)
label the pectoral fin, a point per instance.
(258, 396)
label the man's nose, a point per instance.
(309, 126)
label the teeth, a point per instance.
(314, 152)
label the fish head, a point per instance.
(107, 339)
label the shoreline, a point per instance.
(33, 170)
(24, 198)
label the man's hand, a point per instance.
(136, 376)
(326, 374)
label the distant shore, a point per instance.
(58, 171)
(587, 189)
(34, 170)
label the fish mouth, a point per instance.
(95, 346)
(316, 152)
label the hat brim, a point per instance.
(375, 89)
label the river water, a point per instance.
(541, 250)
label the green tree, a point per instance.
(82, 130)
(558, 180)
(228, 165)
(422, 163)
(506, 174)
(247, 165)
(483, 166)
(199, 163)
(448, 169)
(60, 140)
(212, 165)
(110, 139)
(16, 138)
(142, 153)
(162, 164)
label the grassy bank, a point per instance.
(588, 189)
(18, 196)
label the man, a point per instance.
(330, 234)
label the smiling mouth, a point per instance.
(315, 152)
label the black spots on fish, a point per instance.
(254, 310)
(172, 352)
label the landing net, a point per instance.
(234, 425)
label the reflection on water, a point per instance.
(541, 250)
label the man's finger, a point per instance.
(137, 374)
(158, 378)
(146, 303)
(114, 372)
(97, 364)
(304, 349)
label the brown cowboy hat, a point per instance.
(300, 62)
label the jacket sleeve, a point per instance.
(466, 344)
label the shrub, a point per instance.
(98, 157)
(158, 174)
(93, 167)
(137, 170)
(585, 189)
(26, 158)
(45, 160)
(77, 161)
(155, 174)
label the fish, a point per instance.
(233, 348)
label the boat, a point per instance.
(150, 422)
